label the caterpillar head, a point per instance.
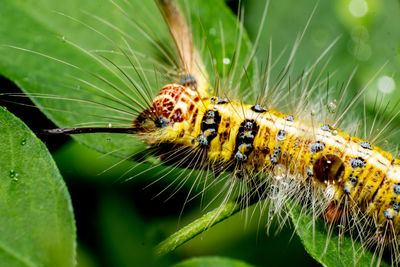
(174, 103)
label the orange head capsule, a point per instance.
(174, 103)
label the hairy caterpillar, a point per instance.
(229, 135)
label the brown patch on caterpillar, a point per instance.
(177, 116)
(166, 100)
(329, 168)
(193, 120)
(333, 213)
(223, 136)
(191, 107)
(173, 103)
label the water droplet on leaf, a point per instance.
(226, 61)
(331, 107)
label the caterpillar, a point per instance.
(199, 122)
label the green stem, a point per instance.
(197, 227)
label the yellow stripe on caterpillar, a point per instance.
(260, 140)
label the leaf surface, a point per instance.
(37, 226)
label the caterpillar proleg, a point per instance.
(189, 91)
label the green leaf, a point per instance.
(212, 261)
(66, 30)
(328, 252)
(37, 226)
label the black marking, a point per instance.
(357, 163)
(244, 140)
(248, 125)
(289, 118)
(281, 135)
(366, 145)
(309, 172)
(258, 108)
(209, 128)
(396, 189)
(395, 205)
(275, 155)
(203, 142)
(353, 179)
(265, 150)
(210, 120)
(379, 188)
(240, 157)
(161, 121)
(317, 147)
(219, 100)
(189, 81)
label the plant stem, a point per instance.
(197, 227)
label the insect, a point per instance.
(202, 121)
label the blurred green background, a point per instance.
(119, 221)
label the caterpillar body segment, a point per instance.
(251, 139)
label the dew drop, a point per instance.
(63, 38)
(358, 8)
(213, 31)
(23, 142)
(279, 172)
(110, 125)
(334, 132)
(226, 61)
(108, 139)
(331, 107)
(386, 84)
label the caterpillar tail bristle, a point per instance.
(86, 130)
